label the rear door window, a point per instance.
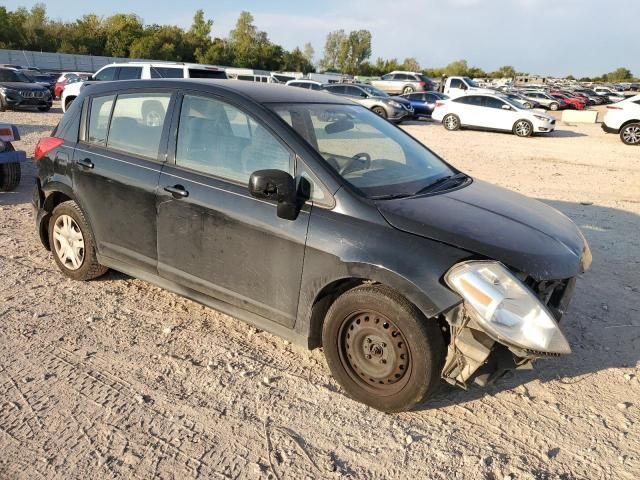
(400, 76)
(137, 123)
(106, 74)
(99, 119)
(130, 73)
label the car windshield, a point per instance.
(13, 76)
(367, 151)
(470, 82)
(373, 91)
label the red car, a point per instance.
(65, 79)
(572, 102)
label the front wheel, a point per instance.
(72, 243)
(630, 134)
(381, 349)
(523, 128)
(44, 108)
(380, 112)
(451, 122)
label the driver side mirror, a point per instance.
(276, 185)
(364, 95)
(506, 107)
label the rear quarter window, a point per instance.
(212, 74)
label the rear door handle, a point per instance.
(178, 191)
(86, 162)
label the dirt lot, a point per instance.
(117, 378)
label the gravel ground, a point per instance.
(118, 378)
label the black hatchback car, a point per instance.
(17, 91)
(313, 218)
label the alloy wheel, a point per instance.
(374, 352)
(523, 128)
(68, 242)
(631, 135)
(451, 122)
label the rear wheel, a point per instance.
(9, 172)
(408, 89)
(630, 134)
(379, 111)
(523, 128)
(381, 348)
(554, 106)
(451, 122)
(72, 243)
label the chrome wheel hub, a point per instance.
(631, 135)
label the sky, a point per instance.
(549, 37)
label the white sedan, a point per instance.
(491, 112)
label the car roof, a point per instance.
(256, 91)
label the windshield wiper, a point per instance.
(443, 182)
(391, 196)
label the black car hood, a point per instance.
(493, 222)
(23, 85)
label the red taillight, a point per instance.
(45, 145)
(612, 107)
(423, 84)
(439, 104)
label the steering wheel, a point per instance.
(361, 157)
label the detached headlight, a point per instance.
(507, 310)
(543, 118)
(394, 104)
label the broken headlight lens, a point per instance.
(507, 310)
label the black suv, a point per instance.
(313, 218)
(17, 90)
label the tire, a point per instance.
(45, 108)
(68, 221)
(451, 122)
(527, 105)
(554, 106)
(9, 176)
(2, 106)
(630, 134)
(523, 128)
(408, 89)
(380, 112)
(381, 349)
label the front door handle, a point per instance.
(178, 191)
(86, 162)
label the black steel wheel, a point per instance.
(381, 349)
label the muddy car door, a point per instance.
(213, 236)
(116, 168)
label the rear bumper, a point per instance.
(609, 129)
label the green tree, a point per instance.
(332, 50)
(619, 75)
(121, 30)
(162, 42)
(199, 35)
(245, 41)
(410, 64)
(506, 71)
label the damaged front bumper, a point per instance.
(474, 356)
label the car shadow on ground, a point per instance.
(564, 134)
(603, 321)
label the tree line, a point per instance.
(125, 35)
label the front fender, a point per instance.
(342, 248)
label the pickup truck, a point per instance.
(458, 86)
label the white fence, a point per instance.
(57, 62)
